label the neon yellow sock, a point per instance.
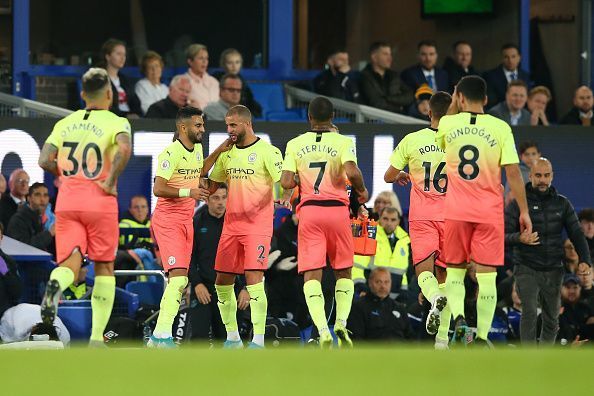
(455, 291)
(315, 303)
(486, 303)
(227, 303)
(343, 293)
(170, 305)
(258, 307)
(428, 284)
(446, 315)
(64, 276)
(101, 304)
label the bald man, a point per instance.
(538, 256)
(18, 184)
(581, 113)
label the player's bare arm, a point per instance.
(47, 159)
(210, 185)
(516, 183)
(394, 175)
(120, 160)
(212, 158)
(356, 178)
(161, 189)
(287, 180)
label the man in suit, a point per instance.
(18, 183)
(426, 71)
(509, 70)
(380, 86)
(512, 110)
(459, 64)
(581, 113)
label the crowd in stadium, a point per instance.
(388, 304)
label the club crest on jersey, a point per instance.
(171, 260)
(198, 156)
(165, 164)
(252, 158)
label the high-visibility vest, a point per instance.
(396, 261)
(127, 239)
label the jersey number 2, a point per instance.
(322, 166)
(85, 154)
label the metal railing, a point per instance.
(13, 106)
(348, 111)
(142, 272)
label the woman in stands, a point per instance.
(113, 58)
(231, 61)
(150, 89)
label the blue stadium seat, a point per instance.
(77, 317)
(148, 292)
(272, 98)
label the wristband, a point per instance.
(184, 192)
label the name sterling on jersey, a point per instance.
(317, 148)
(471, 131)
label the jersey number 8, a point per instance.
(468, 162)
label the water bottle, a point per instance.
(371, 229)
(146, 333)
(349, 188)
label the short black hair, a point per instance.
(321, 109)
(187, 112)
(229, 76)
(426, 43)
(223, 186)
(376, 45)
(510, 46)
(525, 145)
(586, 214)
(35, 186)
(440, 103)
(460, 42)
(43, 328)
(473, 88)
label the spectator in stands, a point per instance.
(26, 224)
(150, 89)
(393, 251)
(136, 217)
(529, 153)
(576, 321)
(179, 91)
(23, 322)
(538, 99)
(584, 273)
(376, 316)
(459, 64)
(380, 86)
(509, 70)
(570, 258)
(231, 62)
(336, 80)
(514, 315)
(3, 185)
(581, 113)
(11, 286)
(205, 88)
(18, 184)
(208, 225)
(420, 108)
(230, 95)
(113, 58)
(586, 217)
(383, 200)
(512, 109)
(426, 71)
(78, 288)
(538, 255)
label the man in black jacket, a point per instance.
(538, 256)
(179, 89)
(376, 316)
(583, 108)
(336, 80)
(18, 185)
(26, 225)
(381, 86)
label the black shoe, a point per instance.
(462, 333)
(49, 304)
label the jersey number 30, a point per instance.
(85, 157)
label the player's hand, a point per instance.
(243, 300)
(283, 203)
(108, 188)
(287, 264)
(529, 238)
(202, 294)
(525, 223)
(402, 178)
(363, 196)
(225, 146)
(362, 213)
(199, 194)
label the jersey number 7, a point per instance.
(322, 166)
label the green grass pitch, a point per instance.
(366, 370)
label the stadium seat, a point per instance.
(77, 317)
(148, 292)
(272, 98)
